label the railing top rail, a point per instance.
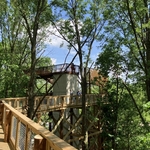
(18, 98)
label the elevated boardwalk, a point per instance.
(24, 134)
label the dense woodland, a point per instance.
(122, 30)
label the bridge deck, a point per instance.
(3, 145)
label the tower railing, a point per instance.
(57, 68)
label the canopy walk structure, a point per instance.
(63, 108)
(65, 129)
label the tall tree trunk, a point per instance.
(84, 92)
(31, 87)
(148, 64)
(147, 47)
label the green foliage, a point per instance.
(15, 54)
(122, 127)
(44, 62)
(125, 55)
(45, 120)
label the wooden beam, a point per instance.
(73, 127)
(39, 143)
(91, 123)
(58, 123)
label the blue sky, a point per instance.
(53, 49)
(58, 54)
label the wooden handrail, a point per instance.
(54, 102)
(20, 130)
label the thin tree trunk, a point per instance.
(84, 91)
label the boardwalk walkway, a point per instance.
(3, 145)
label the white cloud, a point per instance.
(53, 61)
(53, 38)
(53, 41)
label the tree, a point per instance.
(126, 54)
(79, 23)
(35, 14)
(14, 52)
(129, 36)
(42, 86)
(129, 41)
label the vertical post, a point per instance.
(39, 143)
(62, 101)
(99, 138)
(7, 125)
(71, 123)
(61, 124)
(15, 103)
(89, 81)
(18, 104)
(38, 117)
(27, 138)
(1, 112)
(50, 114)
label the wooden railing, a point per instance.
(24, 134)
(54, 102)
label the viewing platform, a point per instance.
(47, 72)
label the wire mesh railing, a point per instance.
(22, 136)
(31, 141)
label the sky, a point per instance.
(58, 54)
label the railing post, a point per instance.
(1, 113)
(7, 125)
(39, 143)
(38, 117)
(62, 101)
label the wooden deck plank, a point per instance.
(3, 145)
